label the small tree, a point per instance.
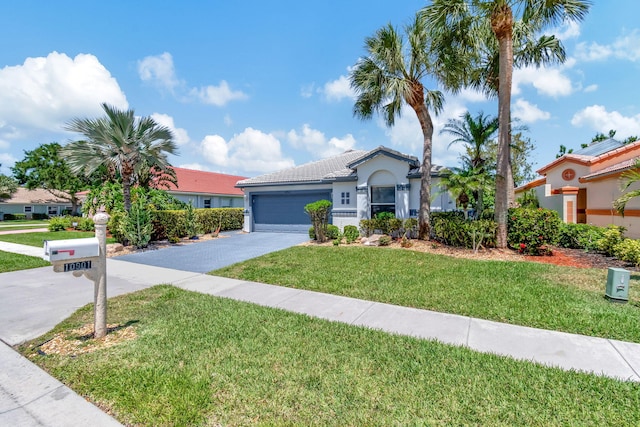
(319, 212)
(137, 223)
(191, 222)
(8, 186)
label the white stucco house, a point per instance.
(581, 186)
(359, 184)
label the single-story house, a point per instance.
(581, 186)
(38, 201)
(207, 189)
(359, 184)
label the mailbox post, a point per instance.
(86, 257)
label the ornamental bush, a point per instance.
(452, 229)
(137, 225)
(612, 236)
(351, 233)
(85, 224)
(333, 232)
(171, 224)
(59, 223)
(580, 236)
(533, 231)
(319, 212)
(628, 250)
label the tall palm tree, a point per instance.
(475, 133)
(391, 75)
(463, 25)
(125, 144)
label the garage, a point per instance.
(284, 211)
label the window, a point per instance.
(207, 203)
(52, 210)
(383, 199)
(28, 209)
(344, 198)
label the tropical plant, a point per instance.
(351, 233)
(391, 75)
(627, 179)
(486, 34)
(464, 182)
(474, 133)
(137, 224)
(126, 145)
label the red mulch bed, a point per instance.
(581, 259)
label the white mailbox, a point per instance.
(71, 249)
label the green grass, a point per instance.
(37, 239)
(201, 360)
(522, 293)
(13, 262)
(22, 224)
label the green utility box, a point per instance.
(617, 285)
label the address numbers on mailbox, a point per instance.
(77, 266)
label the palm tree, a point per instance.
(126, 145)
(463, 25)
(628, 178)
(475, 134)
(390, 76)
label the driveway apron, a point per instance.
(210, 255)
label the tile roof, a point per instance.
(336, 168)
(613, 169)
(38, 196)
(194, 181)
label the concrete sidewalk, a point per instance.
(59, 294)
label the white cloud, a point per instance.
(180, 136)
(194, 166)
(597, 117)
(227, 120)
(218, 95)
(250, 151)
(625, 47)
(306, 91)
(45, 92)
(159, 70)
(7, 161)
(316, 142)
(547, 81)
(527, 112)
(338, 90)
(568, 30)
(591, 88)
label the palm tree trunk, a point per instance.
(502, 26)
(424, 231)
(126, 192)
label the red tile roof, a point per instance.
(194, 181)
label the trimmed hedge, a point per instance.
(172, 224)
(9, 217)
(533, 231)
(452, 229)
(580, 236)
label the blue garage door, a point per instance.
(284, 211)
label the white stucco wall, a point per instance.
(345, 214)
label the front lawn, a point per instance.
(200, 360)
(37, 239)
(522, 293)
(13, 262)
(22, 224)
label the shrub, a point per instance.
(85, 224)
(40, 216)
(59, 223)
(367, 227)
(612, 236)
(137, 225)
(333, 232)
(532, 231)
(9, 217)
(312, 233)
(384, 241)
(319, 212)
(116, 226)
(394, 227)
(171, 224)
(383, 222)
(410, 228)
(351, 233)
(580, 236)
(191, 224)
(628, 250)
(452, 229)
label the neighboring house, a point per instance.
(582, 185)
(358, 183)
(36, 201)
(207, 189)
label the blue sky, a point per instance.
(251, 87)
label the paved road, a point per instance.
(203, 257)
